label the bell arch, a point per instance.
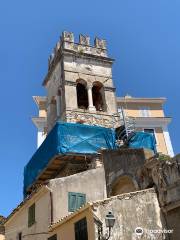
(82, 95)
(99, 96)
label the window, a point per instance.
(98, 96)
(75, 201)
(20, 236)
(81, 232)
(53, 237)
(144, 112)
(82, 95)
(151, 131)
(31, 215)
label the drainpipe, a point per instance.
(51, 205)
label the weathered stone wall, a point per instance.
(173, 222)
(123, 162)
(71, 62)
(53, 86)
(165, 174)
(98, 118)
(132, 210)
(91, 70)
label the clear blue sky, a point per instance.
(143, 37)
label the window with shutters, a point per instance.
(81, 232)
(75, 200)
(53, 237)
(31, 215)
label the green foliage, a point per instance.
(163, 157)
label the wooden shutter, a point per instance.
(31, 215)
(81, 200)
(75, 201)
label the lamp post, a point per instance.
(109, 220)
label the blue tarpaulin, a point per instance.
(142, 140)
(67, 138)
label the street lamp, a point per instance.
(109, 220)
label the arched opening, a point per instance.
(82, 95)
(123, 185)
(98, 96)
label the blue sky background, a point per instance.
(143, 36)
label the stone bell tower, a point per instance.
(79, 83)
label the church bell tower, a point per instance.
(79, 84)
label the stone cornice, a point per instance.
(39, 122)
(140, 100)
(152, 121)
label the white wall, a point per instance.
(168, 141)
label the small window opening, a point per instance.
(20, 236)
(31, 215)
(82, 95)
(98, 96)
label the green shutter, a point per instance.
(31, 215)
(72, 199)
(81, 200)
(75, 201)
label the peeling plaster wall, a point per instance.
(132, 210)
(123, 162)
(165, 174)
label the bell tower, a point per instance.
(79, 83)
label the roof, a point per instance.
(129, 99)
(19, 207)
